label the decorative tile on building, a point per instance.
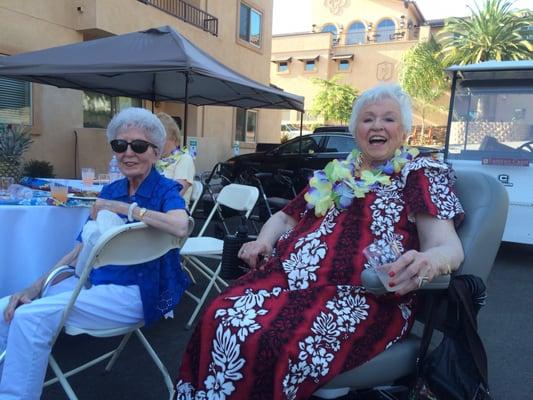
(384, 71)
(336, 6)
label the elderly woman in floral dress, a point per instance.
(302, 316)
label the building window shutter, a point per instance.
(15, 102)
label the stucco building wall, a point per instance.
(371, 62)
(58, 113)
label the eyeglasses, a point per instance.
(138, 146)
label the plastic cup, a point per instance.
(380, 256)
(59, 191)
(87, 176)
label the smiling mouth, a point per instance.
(377, 140)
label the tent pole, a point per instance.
(186, 110)
(301, 128)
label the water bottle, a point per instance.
(114, 171)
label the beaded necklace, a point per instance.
(342, 181)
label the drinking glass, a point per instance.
(103, 179)
(87, 176)
(379, 256)
(59, 190)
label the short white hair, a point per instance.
(381, 92)
(142, 119)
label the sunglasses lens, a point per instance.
(119, 146)
(139, 146)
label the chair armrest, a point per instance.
(62, 269)
(371, 282)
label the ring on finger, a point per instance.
(421, 280)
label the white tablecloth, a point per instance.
(33, 239)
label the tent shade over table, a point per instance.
(158, 64)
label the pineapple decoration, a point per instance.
(15, 140)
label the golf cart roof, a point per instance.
(494, 70)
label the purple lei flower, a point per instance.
(344, 193)
(387, 168)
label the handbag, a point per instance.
(457, 368)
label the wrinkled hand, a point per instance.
(255, 253)
(117, 207)
(411, 271)
(23, 297)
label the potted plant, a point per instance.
(15, 140)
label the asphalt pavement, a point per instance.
(506, 327)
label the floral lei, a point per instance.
(172, 158)
(342, 181)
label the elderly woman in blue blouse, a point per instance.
(118, 295)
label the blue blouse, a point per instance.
(162, 281)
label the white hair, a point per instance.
(381, 92)
(142, 119)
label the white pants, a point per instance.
(27, 339)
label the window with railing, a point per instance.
(356, 33)
(188, 13)
(15, 102)
(385, 30)
(250, 25)
(98, 108)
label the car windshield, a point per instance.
(491, 121)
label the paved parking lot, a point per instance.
(506, 326)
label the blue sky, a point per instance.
(285, 12)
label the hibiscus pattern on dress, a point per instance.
(301, 265)
(347, 309)
(236, 324)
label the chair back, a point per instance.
(235, 196)
(127, 244)
(485, 202)
(196, 194)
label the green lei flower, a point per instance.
(342, 181)
(172, 158)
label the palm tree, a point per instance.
(493, 32)
(422, 76)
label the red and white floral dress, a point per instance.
(283, 332)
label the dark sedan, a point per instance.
(301, 156)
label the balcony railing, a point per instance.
(188, 13)
(373, 36)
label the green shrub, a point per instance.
(38, 169)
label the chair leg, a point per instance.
(62, 379)
(204, 296)
(157, 361)
(117, 352)
(190, 273)
(2, 356)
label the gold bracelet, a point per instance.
(142, 212)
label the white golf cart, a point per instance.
(490, 129)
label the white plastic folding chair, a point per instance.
(123, 245)
(196, 195)
(237, 197)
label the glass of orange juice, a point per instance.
(87, 176)
(59, 190)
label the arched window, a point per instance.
(330, 28)
(356, 33)
(385, 30)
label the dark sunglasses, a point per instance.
(138, 146)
